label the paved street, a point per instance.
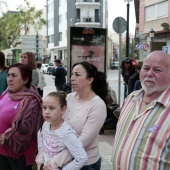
(105, 140)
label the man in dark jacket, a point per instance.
(59, 74)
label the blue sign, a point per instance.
(165, 49)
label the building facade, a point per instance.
(153, 15)
(61, 14)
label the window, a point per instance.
(60, 54)
(60, 36)
(156, 11)
(66, 15)
(59, 3)
(49, 23)
(60, 19)
(52, 22)
(50, 7)
(65, 54)
(51, 38)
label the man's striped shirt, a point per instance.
(142, 140)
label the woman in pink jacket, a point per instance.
(20, 119)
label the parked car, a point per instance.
(50, 66)
(115, 65)
(44, 68)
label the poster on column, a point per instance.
(88, 44)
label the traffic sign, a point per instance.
(165, 49)
(145, 47)
(119, 25)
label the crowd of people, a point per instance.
(61, 131)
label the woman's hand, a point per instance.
(2, 139)
(47, 166)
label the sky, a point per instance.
(116, 8)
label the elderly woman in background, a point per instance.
(3, 73)
(20, 119)
(29, 58)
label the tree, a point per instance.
(30, 18)
(14, 24)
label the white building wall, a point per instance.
(63, 24)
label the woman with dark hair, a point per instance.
(3, 73)
(20, 119)
(86, 113)
(29, 58)
(127, 70)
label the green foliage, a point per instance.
(123, 51)
(16, 24)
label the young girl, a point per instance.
(57, 134)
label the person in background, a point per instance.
(42, 82)
(86, 113)
(29, 58)
(127, 70)
(57, 134)
(3, 73)
(60, 75)
(20, 119)
(137, 85)
(134, 77)
(142, 137)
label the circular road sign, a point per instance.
(145, 47)
(119, 25)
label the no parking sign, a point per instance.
(145, 47)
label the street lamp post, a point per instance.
(127, 29)
(152, 34)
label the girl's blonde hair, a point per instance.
(60, 96)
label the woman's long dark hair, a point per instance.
(99, 84)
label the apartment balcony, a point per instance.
(87, 21)
(81, 3)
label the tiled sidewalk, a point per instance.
(105, 152)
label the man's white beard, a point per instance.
(149, 90)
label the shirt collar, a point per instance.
(164, 98)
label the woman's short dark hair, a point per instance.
(26, 72)
(39, 64)
(2, 60)
(99, 84)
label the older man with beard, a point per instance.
(142, 139)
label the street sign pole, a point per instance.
(119, 26)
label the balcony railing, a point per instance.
(85, 0)
(86, 19)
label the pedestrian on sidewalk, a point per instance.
(127, 70)
(20, 120)
(132, 80)
(29, 58)
(57, 135)
(3, 73)
(60, 75)
(86, 112)
(42, 82)
(142, 137)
